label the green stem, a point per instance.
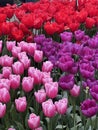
(74, 110)
(91, 123)
(62, 122)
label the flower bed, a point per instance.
(49, 66)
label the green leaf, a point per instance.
(19, 125)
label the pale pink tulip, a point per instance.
(26, 62)
(2, 110)
(22, 55)
(10, 45)
(6, 71)
(38, 56)
(31, 48)
(5, 83)
(33, 121)
(4, 95)
(11, 129)
(15, 51)
(47, 66)
(21, 104)
(23, 45)
(75, 91)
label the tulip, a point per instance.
(79, 35)
(11, 129)
(18, 68)
(15, 51)
(4, 95)
(23, 45)
(0, 46)
(27, 84)
(39, 128)
(75, 91)
(6, 71)
(38, 56)
(31, 48)
(33, 121)
(47, 66)
(40, 96)
(14, 81)
(5, 83)
(66, 36)
(51, 89)
(94, 92)
(61, 105)
(21, 104)
(22, 55)
(2, 110)
(49, 108)
(89, 107)
(10, 45)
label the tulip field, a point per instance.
(49, 65)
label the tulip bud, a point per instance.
(2, 110)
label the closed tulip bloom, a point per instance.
(14, 81)
(15, 51)
(36, 74)
(21, 104)
(4, 95)
(89, 107)
(38, 56)
(6, 60)
(75, 91)
(0, 46)
(11, 129)
(5, 83)
(27, 84)
(66, 82)
(46, 77)
(39, 128)
(26, 62)
(66, 36)
(79, 34)
(49, 108)
(23, 45)
(6, 71)
(51, 89)
(2, 110)
(10, 45)
(40, 96)
(94, 92)
(18, 68)
(61, 105)
(47, 66)
(31, 48)
(33, 121)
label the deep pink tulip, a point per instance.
(18, 68)
(0, 46)
(75, 91)
(6, 60)
(33, 121)
(15, 51)
(4, 95)
(23, 45)
(38, 56)
(14, 81)
(40, 96)
(6, 71)
(47, 66)
(51, 89)
(31, 48)
(5, 83)
(27, 84)
(21, 104)
(10, 45)
(2, 110)
(49, 108)
(36, 74)
(61, 105)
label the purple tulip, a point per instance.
(79, 34)
(66, 36)
(94, 92)
(89, 107)
(66, 82)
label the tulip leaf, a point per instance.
(19, 125)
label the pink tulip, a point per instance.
(49, 108)
(27, 84)
(23, 45)
(1, 76)
(26, 62)
(75, 91)
(46, 78)
(22, 55)
(21, 104)
(33, 121)
(61, 105)
(47, 66)
(6, 71)
(4, 95)
(31, 48)
(6, 60)
(11, 129)
(38, 56)
(10, 45)
(0, 46)
(2, 110)
(14, 81)
(18, 68)
(15, 51)
(36, 74)
(51, 89)
(5, 83)
(40, 96)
